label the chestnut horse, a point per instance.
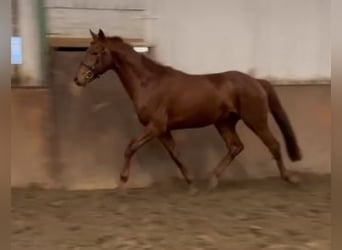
(167, 99)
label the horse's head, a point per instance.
(97, 61)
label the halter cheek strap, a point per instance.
(91, 70)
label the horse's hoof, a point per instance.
(192, 190)
(213, 183)
(292, 178)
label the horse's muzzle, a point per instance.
(78, 83)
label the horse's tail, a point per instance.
(283, 121)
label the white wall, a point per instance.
(74, 18)
(284, 39)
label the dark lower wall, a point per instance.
(95, 124)
(29, 147)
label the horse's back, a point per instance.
(192, 101)
(199, 100)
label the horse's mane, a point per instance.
(147, 62)
(115, 39)
(155, 66)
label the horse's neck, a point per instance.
(129, 81)
(132, 73)
(133, 61)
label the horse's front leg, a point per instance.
(148, 134)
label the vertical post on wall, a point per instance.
(42, 27)
(31, 20)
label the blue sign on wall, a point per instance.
(16, 50)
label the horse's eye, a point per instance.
(94, 53)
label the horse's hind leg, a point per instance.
(234, 145)
(168, 142)
(262, 130)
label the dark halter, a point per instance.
(91, 70)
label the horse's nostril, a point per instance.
(76, 81)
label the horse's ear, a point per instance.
(93, 35)
(101, 35)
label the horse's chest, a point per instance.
(147, 110)
(144, 115)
